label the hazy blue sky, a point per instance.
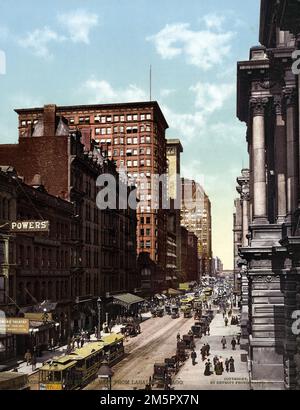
(77, 52)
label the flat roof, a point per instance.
(61, 108)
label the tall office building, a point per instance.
(196, 217)
(133, 135)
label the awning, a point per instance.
(168, 278)
(127, 300)
(159, 297)
(173, 292)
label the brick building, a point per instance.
(133, 135)
(103, 258)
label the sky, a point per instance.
(97, 51)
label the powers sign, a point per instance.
(29, 226)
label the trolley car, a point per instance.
(80, 367)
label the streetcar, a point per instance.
(79, 368)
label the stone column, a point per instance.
(292, 151)
(245, 203)
(259, 160)
(280, 161)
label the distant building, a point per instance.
(189, 256)
(196, 217)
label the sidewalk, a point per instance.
(192, 377)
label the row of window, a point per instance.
(121, 130)
(122, 141)
(140, 163)
(118, 118)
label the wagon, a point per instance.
(189, 342)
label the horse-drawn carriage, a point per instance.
(181, 354)
(161, 374)
(189, 342)
(131, 329)
(172, 364)
(175, 312)
(197, 330)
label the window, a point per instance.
(108, 118)
(148, 244)
(108, 130)
(81, 119)
(142, 128)
(143, 117)
(135, 130)
(129, 163)
(142, 151)
(97, 131)
(148, 162)
(148, 232)
(103, 120)
(148, 128)
(121, 151)
(148, 151)
(142, 140)
(116, 141)
(148, 220)
(142, 244)
(135, 117)
(129, 140)
(142, 163)
(142, 232)
(103, 131)
(116, 152)
(87, 120)
(135, 140)
(128, 130)
(135, 151)
(129, 117)
(142, 220)
(121, 140)
(148, 139)
(116, 118)
(23, 123)
(71, 120)
(122, 118)
(97, 118)
(135, 163)
(148, 116)
(121, 129)
(116, 130)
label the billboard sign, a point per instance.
(14, 326)
(29, 226)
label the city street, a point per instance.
(193, 376)
(157, 342)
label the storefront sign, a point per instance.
(29, 226)
(14, 326)
(39, 317)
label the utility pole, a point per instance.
(99, 317)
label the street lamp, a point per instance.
(99, 317)
(105, 373)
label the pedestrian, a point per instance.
(78, 342)
(227, 365)
(178, 337)
(224, 342)
(231, 365)
(221, 361)
(28, 357)
(208, 330)
(82, 341)
(203, 352)
(33, 361)
(233, 343)
(193, 356)
(207, 349)
(226, 321)
(215, 361)
(207, 371)
(238, 339)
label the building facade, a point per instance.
(196, 218)
(189, 256)
(174, 151)
(102, 260)
(133, 135)
(268, 102)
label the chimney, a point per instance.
(86, 138)
(49, 120)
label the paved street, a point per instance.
(192, 377)
(157, 341)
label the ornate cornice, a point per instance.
(290, 97)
